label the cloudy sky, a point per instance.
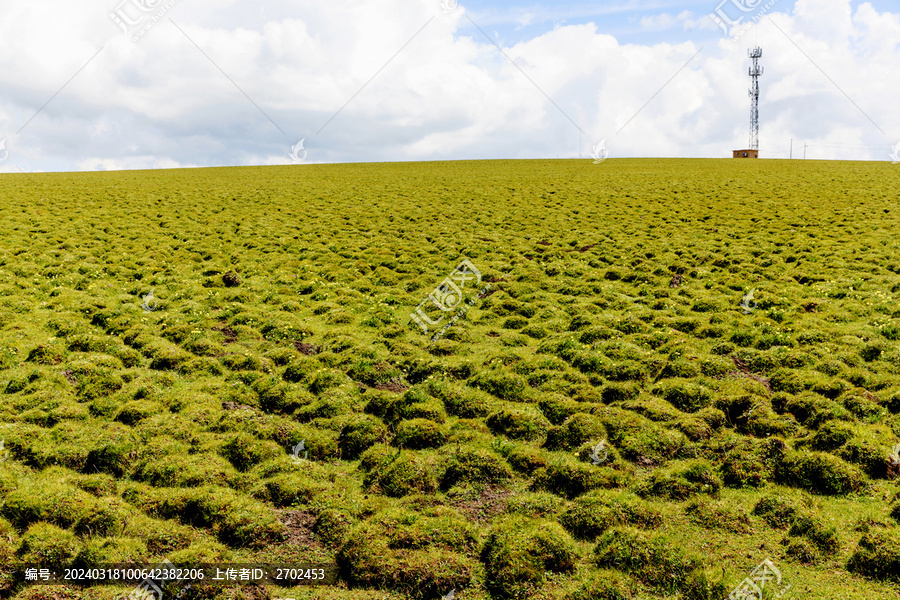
(125, 84)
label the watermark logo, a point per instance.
(599, 152)
(448, 6)
(754, 586)
(146, 590)
(4, 153)
(151, 588)
(150, 303)
(446, 296)
(596, 456)
(731, 12)
(296, 150)
(895, 154)
(4, 453)
(449, 296)
(136, 17)
(295, 452)
(747, 302)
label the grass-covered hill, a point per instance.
(614, 416)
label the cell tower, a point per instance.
(755, 72)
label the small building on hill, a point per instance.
(746, 154)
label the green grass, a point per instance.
(282, 301)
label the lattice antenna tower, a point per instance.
(755, 72)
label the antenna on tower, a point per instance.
(755, 72)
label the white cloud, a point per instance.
(659, 22)
(702, 22)
(524, 20)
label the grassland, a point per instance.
(281, 314)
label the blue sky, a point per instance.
(228, 82)
(621, 18)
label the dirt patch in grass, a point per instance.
(228, 332)
(744, 371)
(644, 462)
(893, 468)
(235, 406)
(307, 349)
(252, 591)
(393, 385)
(490, 503)
(298, 528)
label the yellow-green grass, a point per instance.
(281, 301)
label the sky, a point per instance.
(144, 84)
